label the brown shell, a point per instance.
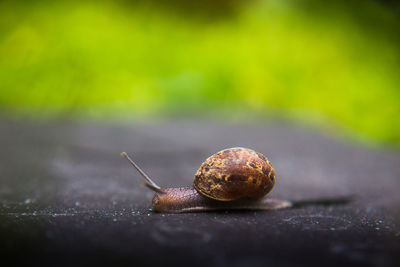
(235, 173)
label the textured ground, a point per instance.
(68, 198)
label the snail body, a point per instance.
(232, 179)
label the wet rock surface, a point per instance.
(68, 198)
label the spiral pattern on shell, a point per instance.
(235, 173)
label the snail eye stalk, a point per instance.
(149, 183)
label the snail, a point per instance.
(232, 179)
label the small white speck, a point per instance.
(27, 201)
(115, 219)
(333, 229)
(77, 203)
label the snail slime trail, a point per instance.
(232, 179)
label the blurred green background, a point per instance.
(320, 62)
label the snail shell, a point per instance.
(235, 173)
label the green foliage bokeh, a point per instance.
(323, 61)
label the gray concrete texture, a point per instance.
(68, 198)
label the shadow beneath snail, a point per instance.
(326, 202)
(280, 204)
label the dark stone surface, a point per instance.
(67, 198)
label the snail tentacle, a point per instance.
(149, 183)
